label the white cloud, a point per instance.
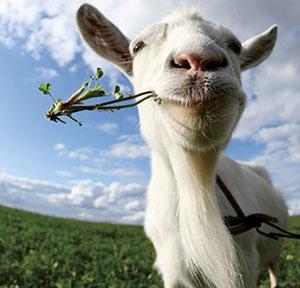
(59, 147)
(130, 146)
(64, 173)
(84, 199)
(28, 184)
(116, 189)
(120, 172)
(90, 170)
(294, 208)
(125, 172)
(28, 194)
(284, 138)
(79, 199)
(114, 200)
(52, 26)
(132, 205)
(86, 215)
(108, 127)
(73, 68)
(126, 150)
(45, 73)
(79, 193)
(132, 119)
(118, 192)
(43, 27)
(57, 36)
(80, 153)
(131, 188)
(101, 202)
(135, 218)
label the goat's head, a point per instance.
(192, 64)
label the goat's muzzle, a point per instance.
(192, 62)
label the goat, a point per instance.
(194, 67)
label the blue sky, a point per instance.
(100, 171)
(30, 139)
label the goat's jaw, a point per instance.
(203, 125)
(192, 120)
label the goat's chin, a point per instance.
(201, 126)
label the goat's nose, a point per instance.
(193, 62)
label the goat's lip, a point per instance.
(192, 106)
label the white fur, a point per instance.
(184, 206)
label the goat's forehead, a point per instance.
(185, 17)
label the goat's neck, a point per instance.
(201, 227)
(194, 168)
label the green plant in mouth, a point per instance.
(88, 90)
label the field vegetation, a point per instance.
(40, 251)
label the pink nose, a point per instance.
(193, 62)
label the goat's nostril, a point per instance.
(182, 64)
(213, 64)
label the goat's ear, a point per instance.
(104, 37)
(258, 48)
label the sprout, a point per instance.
(76, 101)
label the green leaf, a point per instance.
(117, 92)
(99, 73)
(119, 95)
(52, 108)
(99, 91)
(49, 86)
(116, 89)
(92, 93)
(45, 88)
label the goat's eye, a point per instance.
(138, 46)
(235, 47)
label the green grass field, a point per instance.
(40, 251)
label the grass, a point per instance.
(41, 251)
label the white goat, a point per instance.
(194, 66)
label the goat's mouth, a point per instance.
(200, 93)
(201, 106)
(195, 94)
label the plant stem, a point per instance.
(51, 97)
(126, 98)
(74, 109)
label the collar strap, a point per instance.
(241, 223)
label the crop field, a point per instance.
(41, 251)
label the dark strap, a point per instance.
(284, 233)
(241, 223)
(230, 198)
